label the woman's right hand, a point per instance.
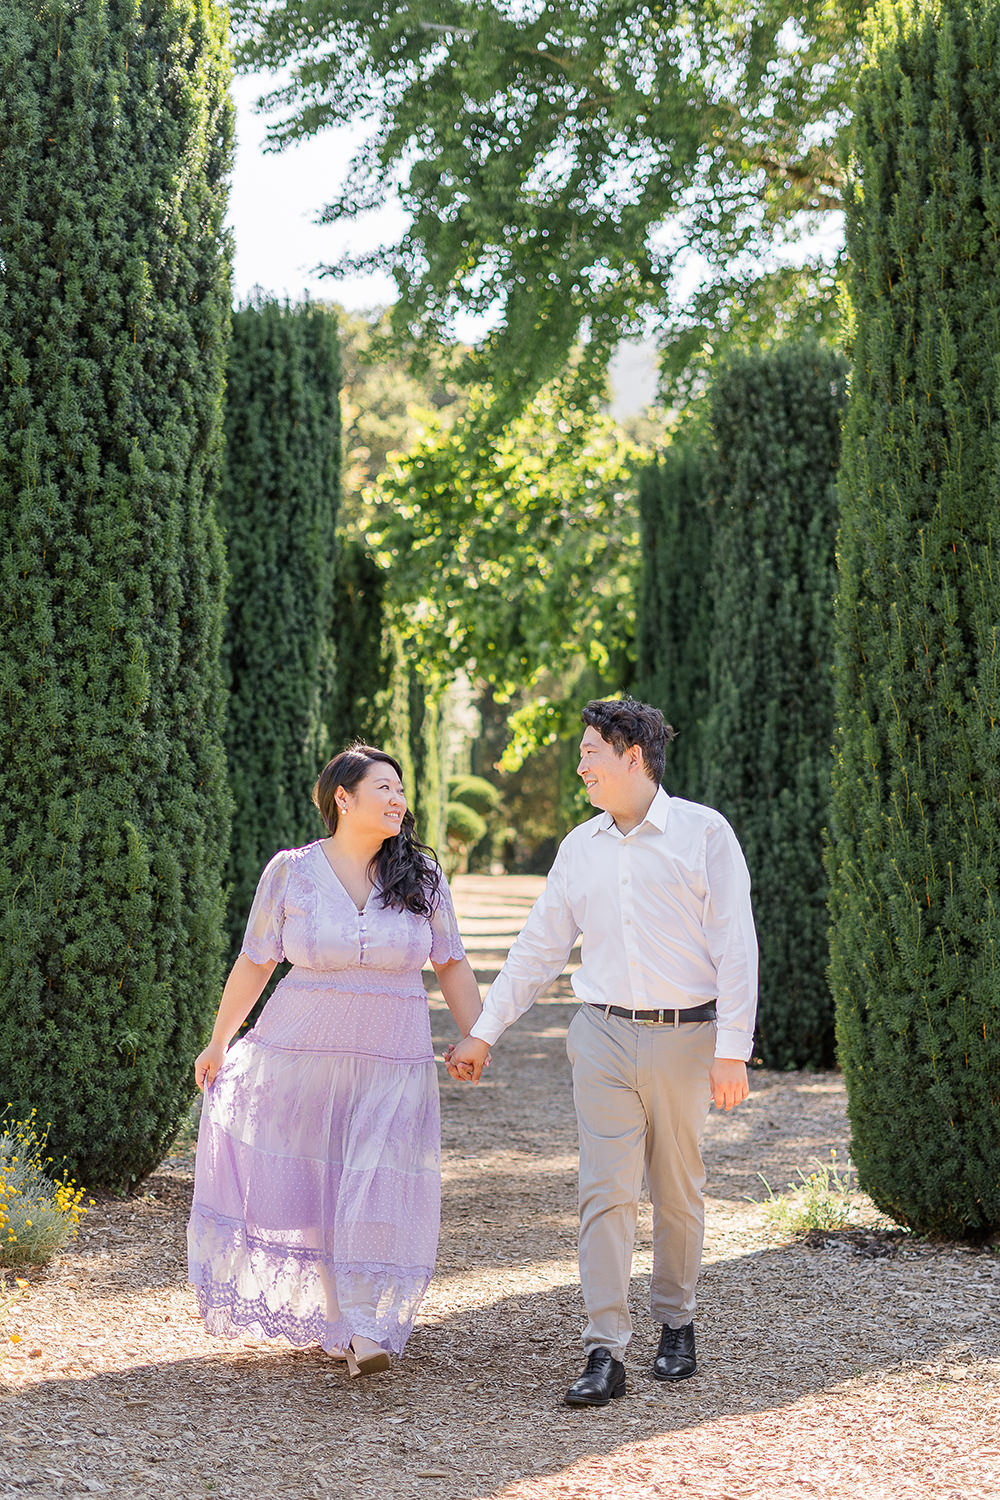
(208, 1063)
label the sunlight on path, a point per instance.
(825, 1373)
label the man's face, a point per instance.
(605, 773)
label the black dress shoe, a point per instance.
(675, 1357)
(603, 1378)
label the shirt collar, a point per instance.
(656, 815)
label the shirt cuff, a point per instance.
(488, 1029)
(738, 1044)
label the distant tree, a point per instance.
(385, 404)
(363, 655)
(114, 805)
(915, 832)
(279, 508)
(674, 614)
(515, 561)
(570, 165)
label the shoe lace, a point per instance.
(671, 1337)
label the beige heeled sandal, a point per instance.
(365, 1364)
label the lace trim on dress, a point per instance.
(260, 1302)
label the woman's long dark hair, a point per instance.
(406, 871)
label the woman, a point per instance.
(317, 1180)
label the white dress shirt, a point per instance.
(664, 913)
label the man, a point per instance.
(658, 888)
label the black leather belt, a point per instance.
(672, 1017)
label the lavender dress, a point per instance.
(317, 1182)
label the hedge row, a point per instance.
(735, 627)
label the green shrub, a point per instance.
(474, 791)
(465, 826)
(915, 829)
(114, 805)
(776, 420)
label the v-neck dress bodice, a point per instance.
(317, 1179)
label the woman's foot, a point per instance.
(365, 1357)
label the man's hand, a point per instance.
(728, 1080)
(466, 1061)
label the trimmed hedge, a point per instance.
(114, 806)
(776, 419)
(916, 814)
(280, 497)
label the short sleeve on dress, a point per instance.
(446, 944)
(262, 939)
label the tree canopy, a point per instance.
(570, 168)
(516, 563)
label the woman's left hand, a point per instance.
(208, 1063)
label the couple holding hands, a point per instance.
(317, 1180)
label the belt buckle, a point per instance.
(657, 1022)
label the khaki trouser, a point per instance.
(642, 1098)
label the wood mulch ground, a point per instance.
(865, 1363)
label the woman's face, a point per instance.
(377, 803)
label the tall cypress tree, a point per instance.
(916, 825)
(114, 807)
(362, 654)
(676, 603)
(776, 419)
(280, 497)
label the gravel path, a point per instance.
(865, 1364)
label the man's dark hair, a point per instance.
(624, 722)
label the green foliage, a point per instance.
(407, 722)
(568, 164)
(776, 420)
(915, 829)
(825, 1198)
(463, 825)
(364, 659)
(384, 404)
(114, 805)
(677, 587)
(532, 811)
(475, 791)
(279, 510)
(424, 728)
(514, 561)
(486, 835)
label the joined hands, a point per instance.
(466, 1060)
